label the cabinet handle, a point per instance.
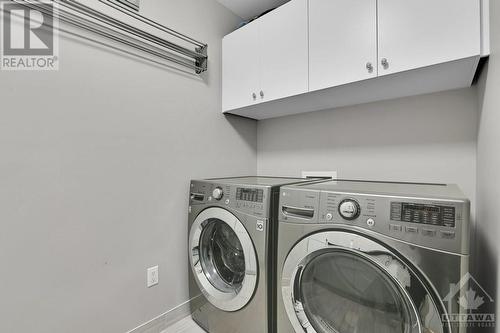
(369, 67)
(254, 96)
(261, 94)
(385, 63)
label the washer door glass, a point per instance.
(221, 256)
(342, 292)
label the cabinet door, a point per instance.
(342, 42)
(418, 33)
(240, 68)
(283, 37)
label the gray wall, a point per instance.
(488, 165)
(430, 138)
(95, 164)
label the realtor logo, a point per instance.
(28, 39)
(472, 298)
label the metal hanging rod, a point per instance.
(121, 7)
(87, 18)
(121, 26)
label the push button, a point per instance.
(395, 227)
(448, 234)
(370, 222)
(260, 226)
(429, 232)
(412, 230)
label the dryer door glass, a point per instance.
(223, 259)
(221, 256)
(342, 292)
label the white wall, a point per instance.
(430, 138)
(95, 162)
(488, 165)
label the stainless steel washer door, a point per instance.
(340, 282)
(223, 259)
(343, 292)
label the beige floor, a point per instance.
(186, 325)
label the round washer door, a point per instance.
(223, 259)
(341, 282)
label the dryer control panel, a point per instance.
(439, 223)
(253, 200)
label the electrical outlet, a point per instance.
(321, 174)
(153, 278)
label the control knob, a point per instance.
(217, 193)
(349, 209)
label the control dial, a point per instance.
(217, 193)
(349, 209)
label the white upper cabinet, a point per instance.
(342, 42)
(310, 55)
(266, 59)
(240, 68)
(418, 33)
(284, 52)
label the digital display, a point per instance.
(424, 214)
(250, 194)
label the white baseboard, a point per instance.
(160, 323)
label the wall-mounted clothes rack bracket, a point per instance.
(202, 61)
(97, 22)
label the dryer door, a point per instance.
(341, 282)
(223, 259)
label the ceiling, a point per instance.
(247, 9)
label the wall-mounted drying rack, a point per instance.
(84, 17)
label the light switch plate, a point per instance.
(152, 276)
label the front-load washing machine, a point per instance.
(232, 252)
(365, 257)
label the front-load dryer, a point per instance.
(232, 253)
(364, 257)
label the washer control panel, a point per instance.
(412, 212)
(434, 223)
(349, 209)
